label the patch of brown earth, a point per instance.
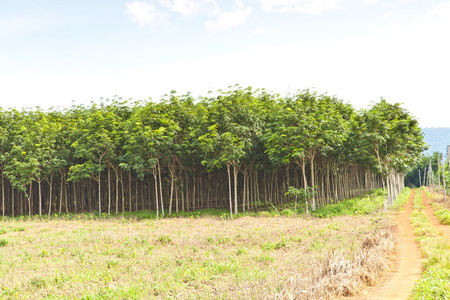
(399, 283)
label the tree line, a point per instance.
(237, 148)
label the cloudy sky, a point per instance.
(56, 52)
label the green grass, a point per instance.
(173, 258)
(363, 205)
(435, 281)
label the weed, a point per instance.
(264, 259)
(164, 239)
(38, 283)
(241, 251)
(274, 246)
(43, 253)
(3, 242)
(316, 246)
(111, 264)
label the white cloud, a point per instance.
(183, 7)
(313, 7)
(372, 1)
(230, 19)
(144, 13)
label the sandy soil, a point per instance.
(399, 283)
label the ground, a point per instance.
(254, 257)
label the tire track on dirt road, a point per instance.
(399, 283)
(443, 229)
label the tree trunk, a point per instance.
(155, 176)
(99, 194)
(117, 190)
(172, 175)
(109, 190)
(29, 199)
(229, 190)
(160, 189)
(3, 195)
(50, 196)
(40, 196)
(235, 175)
(129, 188)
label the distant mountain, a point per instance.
(437, 139)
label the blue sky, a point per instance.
(53, 52)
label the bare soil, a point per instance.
(399, 283)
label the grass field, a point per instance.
(434, 283)
(205, 257)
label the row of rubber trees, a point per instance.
(435, 179)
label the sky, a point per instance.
(60, 53)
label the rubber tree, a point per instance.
(230, 126)
(181, 110)
(148, 134)
(391, 139)
(6, 123)
(94, 145)
(22, 165)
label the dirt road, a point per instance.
(408, 267)
(443, 229)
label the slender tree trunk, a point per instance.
(160, 189)
(65, 196)
(61, 193)
(229, 190)
(129, 188)
(155, 176)
(117, 190)
(176, 199)
(3, 195)
(187, 192)
(235, 174)
(312, 183)
(99, 194)
(29, 199)
(172, 175)
(136, 194)
(40, 196)
(75, 204)
(12, 200)
(122, 190)
(50, 196)
(109, 190)
(443, 178)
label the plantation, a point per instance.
(242, 194)
(238, 149)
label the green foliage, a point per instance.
(301, 193)
(178, 140)
(443, 216)
(363, 205)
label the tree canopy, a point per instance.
(237, 148)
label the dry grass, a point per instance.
(345, 274)
(192, 258)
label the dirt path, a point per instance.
(443, 229)
(408, 267)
